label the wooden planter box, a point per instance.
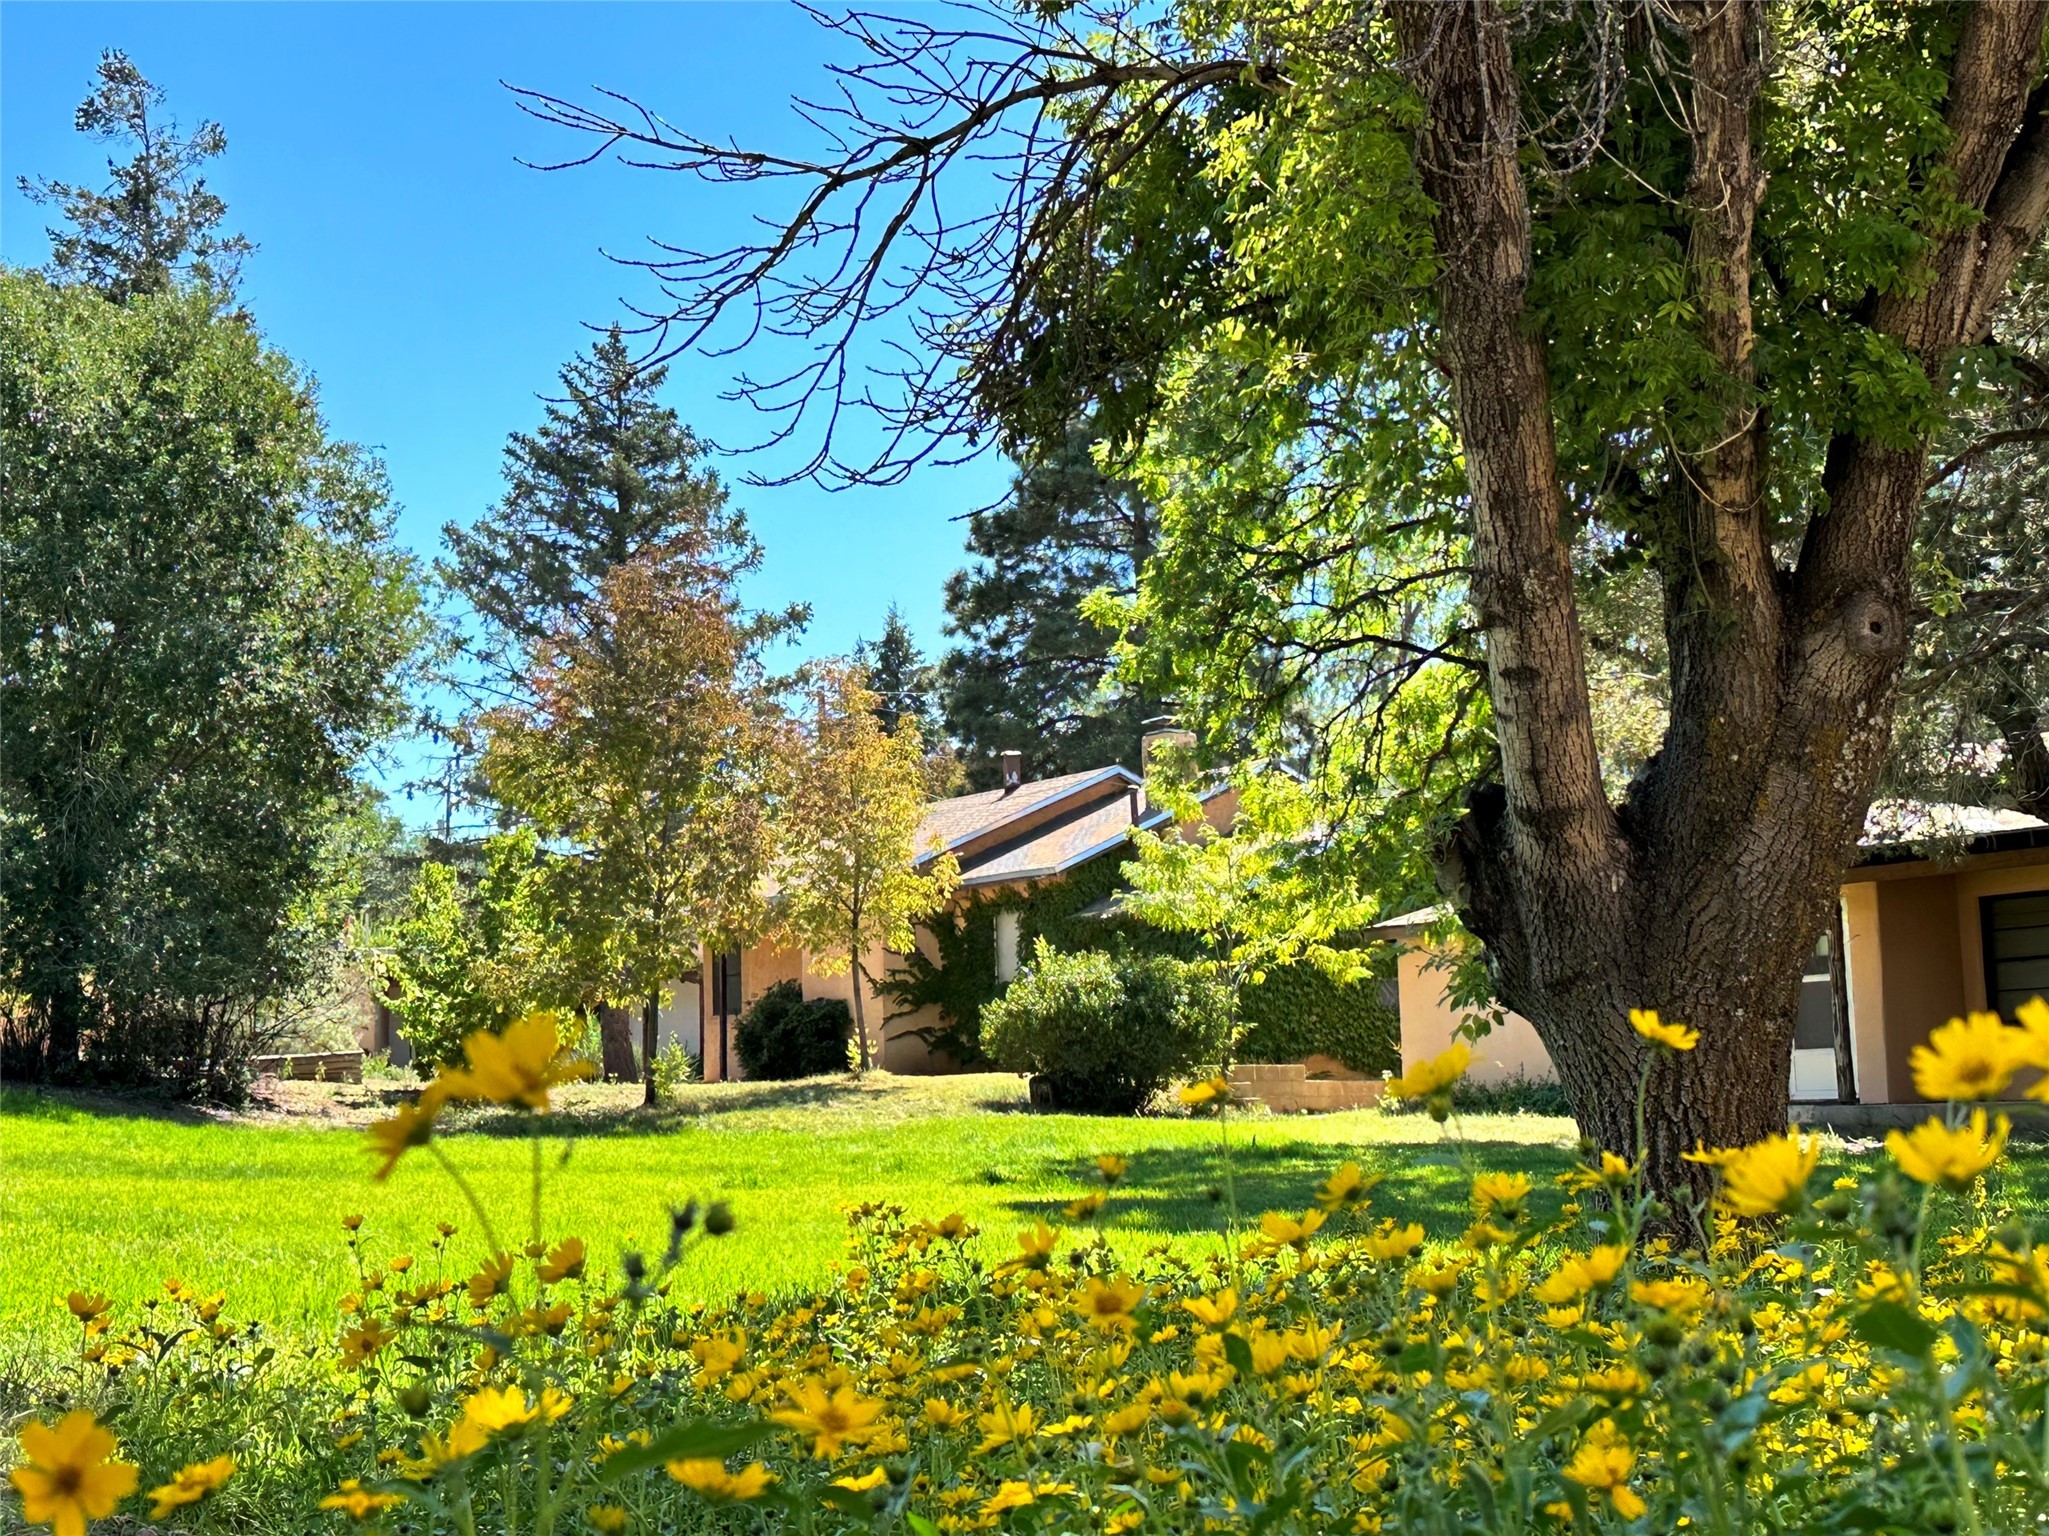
(312, 1066)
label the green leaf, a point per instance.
(699, 1437)
(1889, 1325)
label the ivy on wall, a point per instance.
(1295, 1012)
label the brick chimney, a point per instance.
(1012, 763)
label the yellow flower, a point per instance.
(1673, 1037)
(1108, 1304)
(1288, 1231)
(1932, 1153)
(1037, 1242)
(831, 1418)
(1007, 1425)
(87, 1309)
(1086, 1207)
(358, 1502)
(717, 1357)
(1969, 1058)
(1213, 1311)
(2033, 1043)
(69, 1476)
(1769, 1176)
(1502, 1193)
(190, 1485)
(1211, 1090)
(707, 1477)
(1389, 1241)
(1579, 1274)
(1348, 1186)
(1602, 1464)
(1112, 1167)
(361, 1343)
(1684, 1295)
(564, 1262)
(873, 1478)
(1010, 1495)
(497, 1409)
(942, 1415)
(610, 1519)
(1434, 1075)
(412, 1126)
(491, 1280)
(516, 1067)
(1128, 1420)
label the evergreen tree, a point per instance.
(903, 682)
(1034, 672)
(611, 475)
(155, 220)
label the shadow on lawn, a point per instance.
(708, 1105)
(1180, 1189)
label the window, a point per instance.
(1006, 944)
(725, 985)
(1815, 1029)
(2016, 930)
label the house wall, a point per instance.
(1429, 1022)
(1913, 959)
(897, 1049)
(1915, 956)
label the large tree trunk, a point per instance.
(615, 1040)
(1702, 894)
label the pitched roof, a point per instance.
(1040, 829)
(951, 823)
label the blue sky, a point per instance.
(433, 285)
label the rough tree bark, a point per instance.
(1702, 893)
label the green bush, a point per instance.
(786, 1035)
(1107, 1031)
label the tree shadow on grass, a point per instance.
(1180, 1190)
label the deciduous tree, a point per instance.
(847, 828)
(204, 630)
(1393, 296)
(645, 749)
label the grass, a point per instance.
(105, 1196)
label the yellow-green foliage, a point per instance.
(1816, 1360)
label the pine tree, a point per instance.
(156, 220)
(1033, 672)
(902, 680)
(610, 475)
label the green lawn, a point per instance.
(105, 1197)
(101, 1195)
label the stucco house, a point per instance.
(1919, 938)
(1022, 834)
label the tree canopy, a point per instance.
(204, 629)
(1419, 324)
(155, 223)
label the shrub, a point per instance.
(675, 1066)
(1107, 1031)
(786, 1035)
